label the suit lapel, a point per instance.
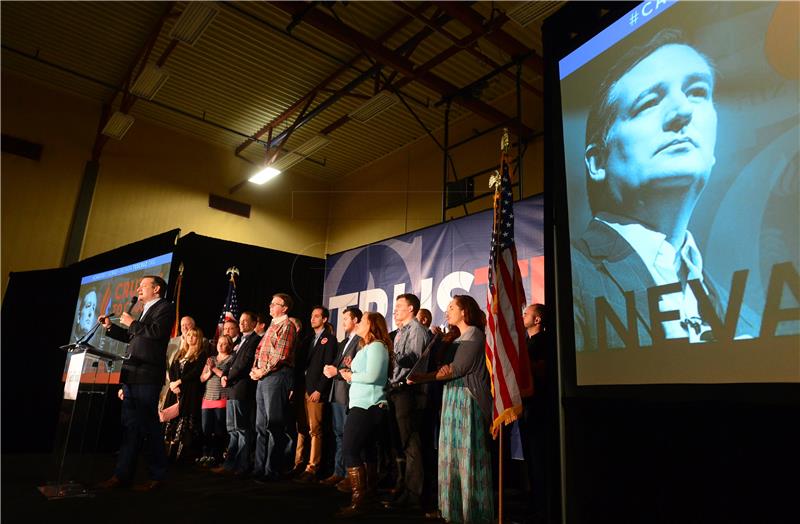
(624, 268)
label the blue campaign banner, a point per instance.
(433, 263)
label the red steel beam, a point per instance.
(468, 43)
(330, 78)
(475, 22)
(381, 53)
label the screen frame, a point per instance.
(562, 33)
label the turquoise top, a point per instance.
(370, 369)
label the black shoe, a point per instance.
(406, 501)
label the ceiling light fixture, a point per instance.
(117, 125)
(149, 81)
(193, 22)
(374, 106)
(266, 174)
(313, 145)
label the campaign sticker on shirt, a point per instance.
(324, 340)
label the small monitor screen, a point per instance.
(109, 293)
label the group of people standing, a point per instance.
(420, 396)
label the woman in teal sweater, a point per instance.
(368, 375)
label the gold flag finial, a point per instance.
(232, 271)
(494, 180)
(504, 142)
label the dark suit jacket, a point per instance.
(240, 387)
(147, 344)
(340, 390)
(605, 265)
(317, 357)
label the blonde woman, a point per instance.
(186, 389)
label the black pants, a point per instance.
(408, 405)
(361, 431)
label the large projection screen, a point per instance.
(681, 138)
(109, 293)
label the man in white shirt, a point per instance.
(637, 272)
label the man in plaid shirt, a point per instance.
(272, 369)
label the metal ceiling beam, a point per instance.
(468, 43)
(128, 99)
(507, 43)
(324, 83)
(381, 53)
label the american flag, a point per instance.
(230, 309)
(506, 349)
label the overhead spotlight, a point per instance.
(193, 22)
(374, 106)
(268, 173)
(117, 125)
(149, 81)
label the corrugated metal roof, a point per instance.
(246, 69)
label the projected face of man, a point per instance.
(87, 316)
(665, 129)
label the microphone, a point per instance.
(134, 300)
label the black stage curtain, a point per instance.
(262, 272)
(37, 315)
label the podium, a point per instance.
(88, 372)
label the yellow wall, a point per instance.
(402, 191)
(38, 197)
(152, 181)
(157, 179)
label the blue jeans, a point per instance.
(240, 437)
(213, 421)
(141, 427)
(339, 416)
(272, 404)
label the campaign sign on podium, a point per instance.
(87, 383)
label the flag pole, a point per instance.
(500, 481)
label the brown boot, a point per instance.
(344, 486)
(358, 480)
(372, 480)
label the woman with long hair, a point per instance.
(465, 468)
(367, 376)
(183, 376)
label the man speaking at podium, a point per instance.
(141, 379)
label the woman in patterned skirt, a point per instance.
(465, 467)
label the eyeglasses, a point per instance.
(276, 304)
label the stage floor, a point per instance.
(190, 495)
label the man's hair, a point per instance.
(412, 299)
(354, 312)
(604, 109)
(287, 300)
(231, 321)
(540, 311)
(249, 314)
(158, 281)
(427, 314)
(261, 318)
(325, 313)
